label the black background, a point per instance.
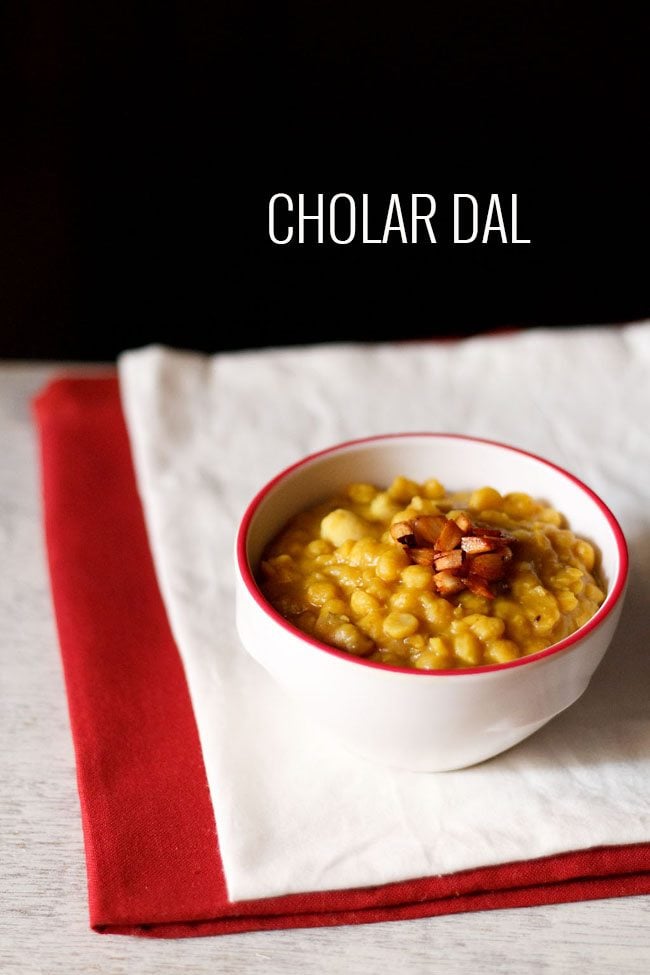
(143, 141)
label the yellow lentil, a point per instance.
(336, 572)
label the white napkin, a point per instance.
(294, 810)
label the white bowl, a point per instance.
(426, 720)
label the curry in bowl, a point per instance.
(414, 576)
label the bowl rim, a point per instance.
(611, 600)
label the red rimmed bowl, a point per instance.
(426, 720)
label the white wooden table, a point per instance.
(43, 912)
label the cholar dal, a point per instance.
(396, 575)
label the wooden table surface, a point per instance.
(43, 913)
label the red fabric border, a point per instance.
(151, 846)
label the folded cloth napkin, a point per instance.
(205, 433)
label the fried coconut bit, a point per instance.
(462, 555)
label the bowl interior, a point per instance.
(460, 464)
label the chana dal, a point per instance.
(374, 572)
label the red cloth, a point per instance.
(151, 845)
